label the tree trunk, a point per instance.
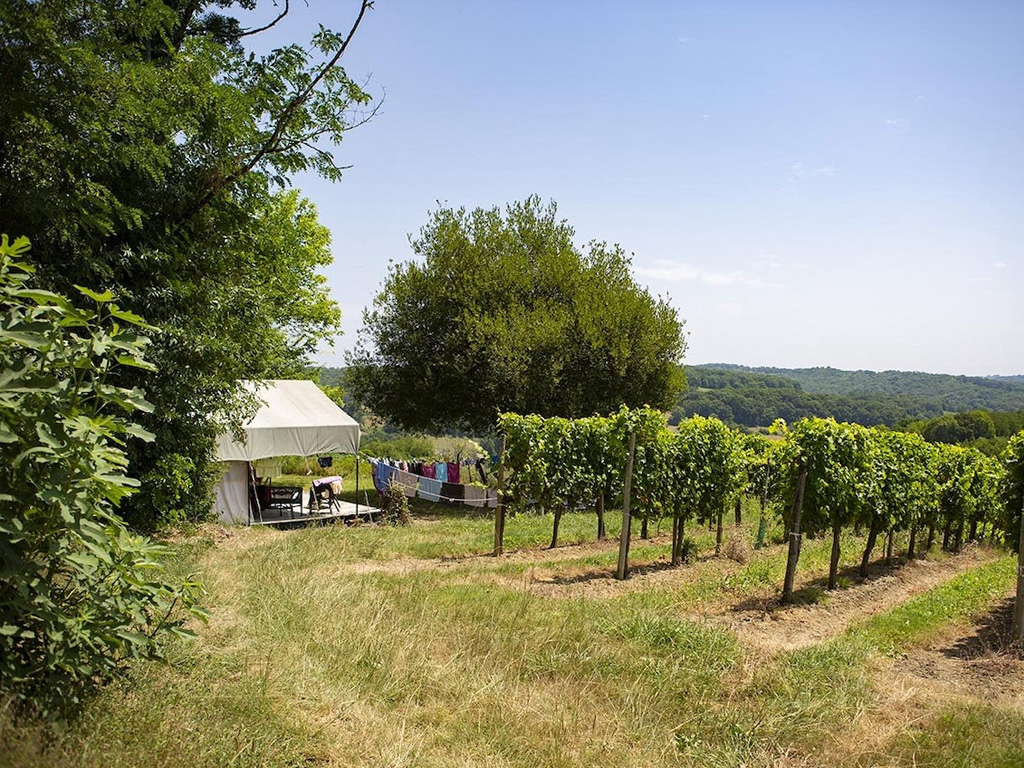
(675, 540)
(601, 533)
(872, 538)
(794, 537)
(718, 535)
(833, 565)
(913, 541)
(1018, 606)
(623, 569)
(643, 529)
(946, 535)
(554, 530)
(499, 510)
(888, 549)
(958, 540)
(739, 510)
(930, 542)
(972, 534)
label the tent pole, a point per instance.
(357, 483)
(252, 484)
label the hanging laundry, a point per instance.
(452, 492)
(383, 476)
(480, 469)
(441, 471)
(428, 488)
(475, 495)
(408, 482)
(453, 471)
(428, 471)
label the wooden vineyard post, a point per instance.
(499, 510)
(600, 517)
(1018, 606)
(794, 536)
(623, 570)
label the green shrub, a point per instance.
(403, 447)
(79, 593)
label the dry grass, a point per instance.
(405, 647)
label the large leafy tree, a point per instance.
(501, 311)
(146, 152)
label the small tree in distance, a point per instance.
(503, 312)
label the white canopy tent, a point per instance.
(296, 419)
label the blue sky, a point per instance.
(810, 183)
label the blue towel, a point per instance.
(441, 471)
(429, 489)
(382, 476)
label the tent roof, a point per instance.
(296, 419)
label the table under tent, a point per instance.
(295, 419)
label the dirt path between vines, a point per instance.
(977, 663)
(774, 628)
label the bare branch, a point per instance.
(280, 126)
(257, 30)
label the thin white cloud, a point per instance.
(680, 272)
(799, 172)
(999, 265)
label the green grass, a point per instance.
(972, 735)
(959, 599)
(408, 646)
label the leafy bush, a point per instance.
(394, 506)
(79, 593)
(402, 447)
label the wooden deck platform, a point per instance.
(346, 512)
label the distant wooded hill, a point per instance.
(757, 396)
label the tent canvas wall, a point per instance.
(296, 419)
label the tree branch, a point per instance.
(257, 30)
(186, 19)
(280, 125)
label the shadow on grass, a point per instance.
(608, 572)
(815, 590)
(992, 636)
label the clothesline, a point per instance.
(437, 481)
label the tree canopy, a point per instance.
(501, 311)
(145, 152)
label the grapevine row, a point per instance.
(827, 476)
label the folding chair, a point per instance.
(321, 496)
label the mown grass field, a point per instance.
(409, 647)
